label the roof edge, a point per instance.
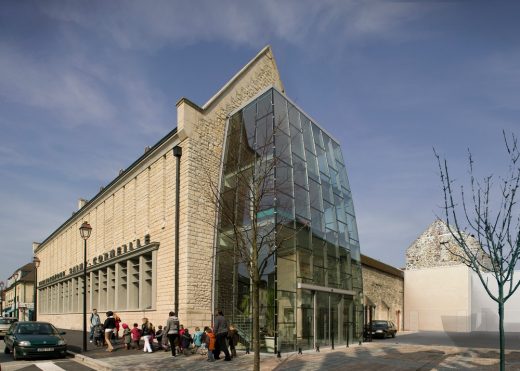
(219, 93)
(371, 262)
(189, 103)
(105, 189)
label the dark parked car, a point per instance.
(383, 329)
(38, 339)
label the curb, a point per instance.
(91, 362)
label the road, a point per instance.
(8, 364)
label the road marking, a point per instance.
(48, 366)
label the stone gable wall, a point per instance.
(432, 248)
(202, 156)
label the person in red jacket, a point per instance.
(118, 321)
(210, 342)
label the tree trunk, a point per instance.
(256, 324)
(501, 330)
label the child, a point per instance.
(210, 342)
(159, 336)
(99, 335)
(181, 332)
(136, 335)
(197, 339)
(186, 341)
(147, 332)
(127, 336)
(203, 348)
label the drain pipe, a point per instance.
(177, 152)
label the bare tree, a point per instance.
(254, 217)
(498, 233)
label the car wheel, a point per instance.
(6, 349)
(15, 354)
(393, 334)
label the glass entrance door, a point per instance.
(329, 317)
(322, 316)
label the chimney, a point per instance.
(81, 202)
(35, 245)
(146, 149)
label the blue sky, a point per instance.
(85, 86)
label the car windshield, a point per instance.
(7, 321)
(36, 329)
(379, 323)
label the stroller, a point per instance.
(98, 335)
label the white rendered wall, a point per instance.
(484, 311)
(438, 299)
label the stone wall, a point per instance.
(436, 247)
(383, 286)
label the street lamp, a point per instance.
(1, 298)
(85, 231)
(15, 278)
(36, 263)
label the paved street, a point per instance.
(460, 339)
(408, 351)
(8, 364)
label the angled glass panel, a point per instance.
(326, 189)
(264, 135)
(301, 200)
(322, 161)
(265, 104)
(283, 146)
(249, 114)
(315, 194)
(300, 173)
(297, 142)
(285, 207)
(342, 235)
(281, 119)
(317, 222)
(284, 177)
(337, 153)
(307, 134)
(330, 216)
(331, 158)
(316, 133)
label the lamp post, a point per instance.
(84, 231)
(36, 262)
(1, 298)
(15, 278)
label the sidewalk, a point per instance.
(389, 354)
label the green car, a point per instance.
(34, 339)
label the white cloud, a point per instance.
(148, 25)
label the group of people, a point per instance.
(213, 341)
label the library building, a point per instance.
(247, 174)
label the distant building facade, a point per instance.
(18, 300)
(442, 294)
(383, 290)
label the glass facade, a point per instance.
(286, 200)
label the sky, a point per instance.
(85, 86)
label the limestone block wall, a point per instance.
(141, 202)
(202, 153)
